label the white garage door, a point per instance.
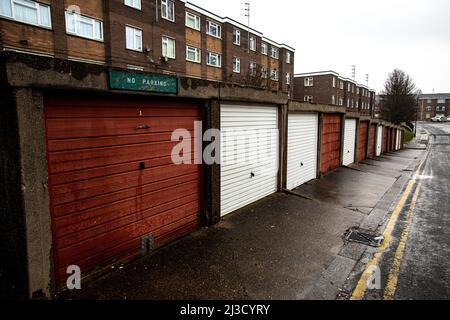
(379, 140)
(302, 149)
(349, 141)
(249, 155)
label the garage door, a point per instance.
(398, 139)
(349, 141)
(302, 149)
(362, 140)
(379, 140)
(115, 192)
(330, 157)
(372, 140)
(249, 155)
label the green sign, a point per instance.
(142, 82)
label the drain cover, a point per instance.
(365, 237)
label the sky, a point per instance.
(376, 36)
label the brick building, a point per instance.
(165, 36)
(431, 105)
(330, 88)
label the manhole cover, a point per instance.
(365, 237)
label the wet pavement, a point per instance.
(282, 247)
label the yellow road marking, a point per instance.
(361, 287)
(391, 286)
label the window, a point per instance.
(253, 69)
(308, 99)
(275, 53)
(193, 54)
(84, 26)
(357, 90)
(341, 101)
(274, 75)
(341, 85)
(264, 73)
(333, 99)
(288, 78)
(353, 103)
(26, 11)
(133, 3)
(348, 102)
(252, 43)
(168, 47)
(237, 37)
(441, 101)
(353, 88)
(348, 87)
(264, 48)
(214, 29)
(135, 68)
(288, 57)
(309, 82)
(334, 83)
(214, 59)
(236, 65)
(429, 101)
(357, 104)
(192, 21)
(168, 10)
(428, 108)
(133, 38)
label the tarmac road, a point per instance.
(416, 265)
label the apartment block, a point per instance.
(329, 87)
(163, 36)
(431, 105)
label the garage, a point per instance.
(363, 133)
(379, 141)
(114, 191)
(249, 155)
(372, 140)
(302, 149)
(330, 157)
(349, 141)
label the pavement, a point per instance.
(416, 265)
(286, 246)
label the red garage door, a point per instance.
(362, 140)
(112, 180)
(372, 140)
(393, 138)
(331, 143)
(385, 139)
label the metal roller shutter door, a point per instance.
(302, 149)
(112, 184)
(249, 155)
(349, 141)
(379, 141)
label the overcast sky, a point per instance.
(375, 35)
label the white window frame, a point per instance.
(218, 27)
(236, 65)
(219, 59)
(237, 37)
(275, 53)
(333, 99)
(135, 32)
(165, 40)
(136, 4)
(334, 82)
(88, 20)
(274, 75)
(196, 51)
(252, 43)
(288, 78)
(264, 48)
(309, 82)
(288, 57)
(341, 101)
(36, 6)
(165, 5)
(253, 67)
(349, 87)
(341, 85)
(264, 73)
(309, 99)
(196, 19)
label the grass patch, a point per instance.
(409, 136)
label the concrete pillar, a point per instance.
(35, 196)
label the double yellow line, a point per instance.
(391, 286)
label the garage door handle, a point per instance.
(301, 164)
(252, 175)
(143, 127)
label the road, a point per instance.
(416, 264)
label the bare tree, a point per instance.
(399, 99)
